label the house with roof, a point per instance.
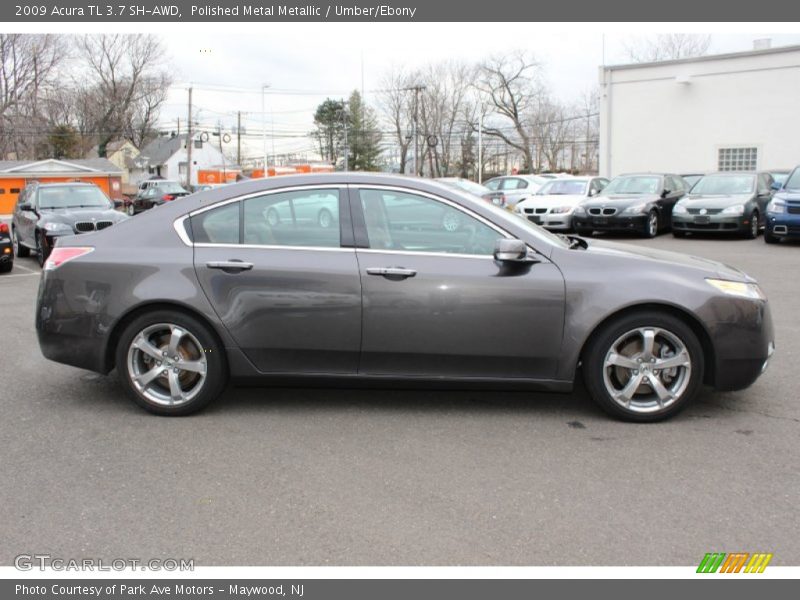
(120, 152)
(167, 157)
(16, 174)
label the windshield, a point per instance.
(634, 184)
(170, 188)
(793, 182)
(558, 187)
(780, 177)
(73, 197)
(691, 180)
(724, 185)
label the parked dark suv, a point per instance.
(640, 203)
(46, 211)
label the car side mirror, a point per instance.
(507, 250)
(26, 206)
(592, 192)
(665, 193)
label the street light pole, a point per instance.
(264, 124)
(480, 146)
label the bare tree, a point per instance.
(396, 105)
(122, 70)
(27, 72)
(512, 84)
(668, 46)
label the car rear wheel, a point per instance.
(19, 250)
(752, 230)
(644, 367)
(131, 210)
(651, 225)
(325, 218)
(170, 363)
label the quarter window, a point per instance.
(738, 159)
(217, 226)
(301, 218)
(404, 221)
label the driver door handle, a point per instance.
(391, 272)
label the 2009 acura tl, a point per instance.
(416, 283)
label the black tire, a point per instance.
(6, 267)
(131, 210)
(42, 248)
(752, 230)
(595, 371)
(216, 375)
(20, 250)
(651, 231)
(769, 238)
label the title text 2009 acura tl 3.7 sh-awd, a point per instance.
(411, 281)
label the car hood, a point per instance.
(714, 201)
(70, 216)
(785, 195)
(710, 267)
(620, 201)
(552, 200)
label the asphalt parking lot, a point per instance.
(363, 477)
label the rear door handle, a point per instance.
(391, 272)
(230, 265)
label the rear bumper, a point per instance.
(710, 224)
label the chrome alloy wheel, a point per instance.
(167, 364)
(647, 369)
(451, 221)
(652, 225)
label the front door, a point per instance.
(277, 271)
(436, 304)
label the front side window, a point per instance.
(298, 218)
(404, 221)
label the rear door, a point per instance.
(287, 290)
(435, 302)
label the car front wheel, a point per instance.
(752, 230)
(131, 210)
(643, 367)
(19, 250)
(42, 248)
(170, 363)
(651, 225)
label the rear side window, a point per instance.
(298, 218)
(217, 226)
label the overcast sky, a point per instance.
(305, 63)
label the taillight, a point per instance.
(168, 197)
(59, 256)
(3, 227)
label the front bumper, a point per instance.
(618, 222)
(558, 222)
(710, 223)
(744, 340)
(783, 225)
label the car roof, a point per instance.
(64, 184)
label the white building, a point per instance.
(723, 112)
(167, 157)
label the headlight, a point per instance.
(560, 210)
(579, 210)
(679, 209)
(737, 288)
(57, 227)
(635, 209)
(517, 209)
(776, 205)
(737, 209)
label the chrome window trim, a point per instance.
(180, 229)
(276, 247)
(421, 253)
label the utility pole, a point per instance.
(480, 146)
(239, 138)
(416, 89)
(189, 144)
(346, 143)
(264, 125)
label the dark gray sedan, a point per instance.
(728, 202)
(182, 299)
